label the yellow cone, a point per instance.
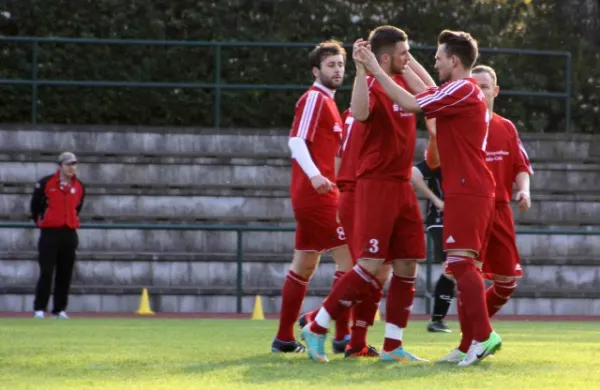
(257, 313)
(144, 309)
(377, 315)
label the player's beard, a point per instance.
(397, 67)
(330, 82)
(444, 77)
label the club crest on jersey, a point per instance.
(337, 128)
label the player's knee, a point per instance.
(384, 274)
(343, 258)
(305, 263)
(372, 266)
(505, 288)
(461, 253)
(405, 268)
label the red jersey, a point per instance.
(462, 128)
(348, 152)
(506, 156)
(388, 137)
(316, 120)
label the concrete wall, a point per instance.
(157, 175)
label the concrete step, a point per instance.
(257, 275)
(281, 158)
(175, 207)
(560, 178)
(110, 299)
(84, 139)
(181, 239)
(49, 156)
(257, 257)
(24, 187)
(149, 189)
(550, 210)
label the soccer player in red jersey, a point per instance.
(388, 226)
(462, 121)
(314, 140)
(509, 163)
(363, 313)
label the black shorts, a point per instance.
(435, 234)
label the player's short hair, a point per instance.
(486, 69)
(460, 44)
(324, 50)
(385, 38)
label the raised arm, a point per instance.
(398, 94)
(421, 72)
(359, 102)
(415, 84)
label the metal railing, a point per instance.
(217, 85)
(241, 229)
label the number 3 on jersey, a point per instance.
(373, 245)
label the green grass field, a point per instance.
(235, 354)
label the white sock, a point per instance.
(393, 331)
(323, 318)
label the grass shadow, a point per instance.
(267, 368)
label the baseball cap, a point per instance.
(67, 158)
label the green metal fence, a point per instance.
(241, 229)
(217, 85)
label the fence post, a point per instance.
(34, 87)
(240, 274)
(568, 81)
(217, 97)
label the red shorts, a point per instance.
(346, 214)
(501, 257)
(317, 229)
(467, 222)
(388, 223)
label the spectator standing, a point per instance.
(55, 205)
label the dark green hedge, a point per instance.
(545, 25)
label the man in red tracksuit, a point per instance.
(55, 206)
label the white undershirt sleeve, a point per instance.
(301, 154)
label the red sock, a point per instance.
(310, 316)
(355, 285)
(341, 323)
(363, 317)
(498, 294)
(292, 297)
(401, 295)
(466, 336)
(472, 294)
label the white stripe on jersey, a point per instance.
(458, 101)
(307, 114)
(526, 157)
(440, 94)
(350, 123)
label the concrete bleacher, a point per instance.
(187, 176)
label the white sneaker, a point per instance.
(38, 314)
(62, 315)
(453, 357)
(480, 350)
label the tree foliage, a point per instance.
(570, 25)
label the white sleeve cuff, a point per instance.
(301, 154)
